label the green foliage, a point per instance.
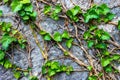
(105, 61)
(1, 13)
(73, 13)
(50, 68)
(33, 78)
(69, 43)
(24, 9)
(119, 25)
(6, 40)
(99, 13)
(5, 1)
(2, 55)
(65, 35)
(53, 12)
(7, 64)
(17, 74)
(9, 36)
(57, 37)
(93, 77)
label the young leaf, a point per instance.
(105, 36)
(16, 5)
(6, 41)
(25, 1)
(51, 72)
(7, 64)
(69, 43)
(47, 9)
(57, 9)
(105, 62)
(119, 25)
(47, 37)
(93, 77)
(29, 8)
(2, 55)
(90, 43)
(101, 46)
(65, 35)
(1, 13)
(17, 74)
(108, 68)
(57, 37)
(43, 32)
(87, 35)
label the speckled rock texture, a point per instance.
(21, 56)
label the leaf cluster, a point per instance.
(24, 9)
(53, 12)
(98, 13)
(51, 68)
(58, 37)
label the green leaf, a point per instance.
(91, 28)
(33, 15)
(22, 43)
(17, 74)
(54, 16)
(105, 62)
(54, 65)
(51, 72)
(91, 14)
(115, 57)
(1, 13)
(101, 46)
(69, 70)
(89, 68)
(65, 35)
(21, 13)
(108, 68)
(57, 9)
(119, 25)
(43, 32)
(103, 9)
(87, 35)
(92, 77)
(72, 13)
(47, 37)
(105, 52)
(47, 9)
(66, 53)
(5, 1)
(44, 70)
(33, 78)
(2, 55)
(109, 17)
(29, 8)
(63, 68)
(69, 43)
(6, 26)
(105, 36)
(90, 43)
(6, 41)
(7, 64)
(57, 37)
(25, 18)
(16, 6)
(25, 1)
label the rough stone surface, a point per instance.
(20, 56)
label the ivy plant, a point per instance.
(53, 12)
(24, 9)
(50, 68)
(58, 37)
